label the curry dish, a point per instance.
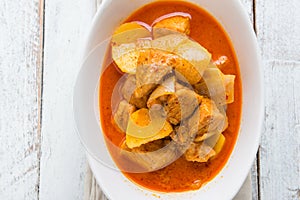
(171, 99)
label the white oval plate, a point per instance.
(225, 185)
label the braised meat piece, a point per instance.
(181, 105)
(207, 119)
(199, 152)
(122, 114)
(151, 156)
(129, 93)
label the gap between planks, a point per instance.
(40, 89)
(258, 151)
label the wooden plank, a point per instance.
(63, 162)
(21, 36)
(249, 7)
(254, 180)
(277, 25)
(279, 155)
(278, 29)
(92, 191)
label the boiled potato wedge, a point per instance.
(126, 57)
(220, 143)
(143, 128)
(228, 81)
(129, 33)
(187, 57)
(163, 58)
(169, 42)
(195, 54)
(167, 25)
(126, 41)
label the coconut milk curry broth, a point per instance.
(187, 172)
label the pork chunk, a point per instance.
(129, 93)
(180, 134)
(151, 70)
(128, 87)
(151, 156)
(207, 119)
(181, 105)
(122, 114)
(199, 152)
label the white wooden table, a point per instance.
(40, 154)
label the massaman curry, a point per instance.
(171, 99)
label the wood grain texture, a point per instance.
(249, 7)
(280, 144)
(278, 29)
(63, 162)
(92, 191)
(254, 180)
(277, 25)
(20, 74)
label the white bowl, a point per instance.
(225, 185)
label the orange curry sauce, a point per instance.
(180, 175)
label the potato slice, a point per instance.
(126, 42)
(168, 24)
(126, 57)
(213, 81)
(161, 58)
(169, 42)
(129, 33)
(145, 126)
(216, 141)
(187, 57)
(220, 143)
(195, 54)
(216, 85)
(192, 58)
(228, 81)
